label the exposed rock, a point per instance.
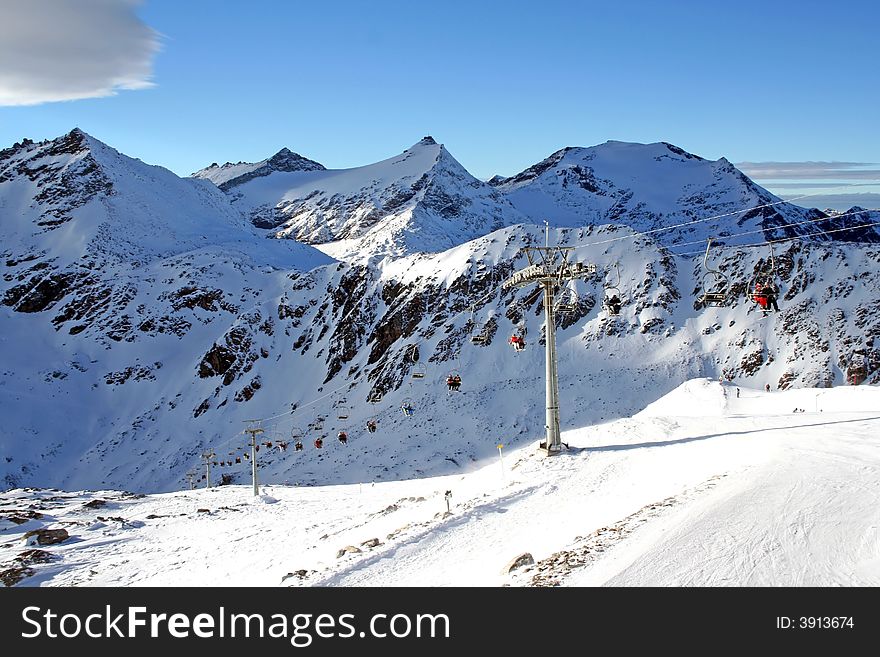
(46, 536)
(22, 516)
(373, 542)
(524, 559)
(12, 576)
(299, 574)
(95, 504)
(348, 549)
(30, 557)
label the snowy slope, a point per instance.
(647, 186)
(142, 327)
(422, 200)
(750, 494)
(229, 175)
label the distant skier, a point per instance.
(737, 393)
(767, 387)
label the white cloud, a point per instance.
(809, 170)
(839, 201)
(53, 50)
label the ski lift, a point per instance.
(612, 301)
(567, 301)
(714, 283)
(517, 341)
(762, 286)
(407, 407)
(481, 337)
(419, 371)
(453, 380)
(341, 410)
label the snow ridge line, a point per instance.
(553, 570)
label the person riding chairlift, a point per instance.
(517, 342)
(614, 304)
(319, 443)
(760, 296)
(371, 426)
(343, 437)
(408, 410)
(769, 293)
(454, 382)
(298, 446)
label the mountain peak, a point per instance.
(231, 175)
(287, 160)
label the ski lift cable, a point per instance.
(784, 239)
(781, 239)
(717, 216)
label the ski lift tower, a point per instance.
(549, 267)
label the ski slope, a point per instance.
(701, 488)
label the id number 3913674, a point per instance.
(814, 622)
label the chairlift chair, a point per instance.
(613, 299)
(453, 381)
(714, 283)
(419, 371)
(762, 279)
(567, 301)
(407, 407)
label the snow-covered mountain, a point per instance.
(651, 186)
(229, 175)
(113, 270)
(144, 319)
(422, 200)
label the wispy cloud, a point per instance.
(809, 170)
(54, 50)
(837, 201)
(818, 185)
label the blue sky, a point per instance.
(502, 85)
